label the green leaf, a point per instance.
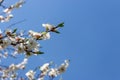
(14, 30)
(39, 52)
(57, 32)
(61, 24)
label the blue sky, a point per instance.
(90, 38)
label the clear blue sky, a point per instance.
(90, 38)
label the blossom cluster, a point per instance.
(14, 43)
(47, 70)
(25, 45)
(20, 44)
(7, 11)
(10, 72)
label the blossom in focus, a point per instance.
(31, 44)
(39, 35)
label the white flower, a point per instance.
(42, 35)
(8, 10)
(20, 48)
(53, 72)
(19, 39)
(6, 43)
(13, 76)
(12, 67)
(8, 31)
(44, 69)
(19, 4)
(46, 35)
(67, 62)
(48, 26)
(5, 55)
(8, 17)
(25, 61)
(63, 67)
(35, 35)
(22, 64)
(30, 74)
(5, 73)
(1, 18)
(31, 44)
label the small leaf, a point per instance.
(14, 30)
(61, 24)
(39, 52)
(57, 32)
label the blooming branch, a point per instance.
(15, 41)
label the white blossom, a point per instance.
(5, 73)
(8, 31)
(8, 10)
(30, 74)
(34, 34)
(20, 48)
(46, 36)
(18, 4)
(53, 72)
(5, 55)
(5, 43)
(48, 26)
(2, 19)
(16, 43)
(63, 67)
(12, 67)
(44, 69)
(8, 17)
(22, 64)
(31, 43)
(13, 76)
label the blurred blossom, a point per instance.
(30, 74)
